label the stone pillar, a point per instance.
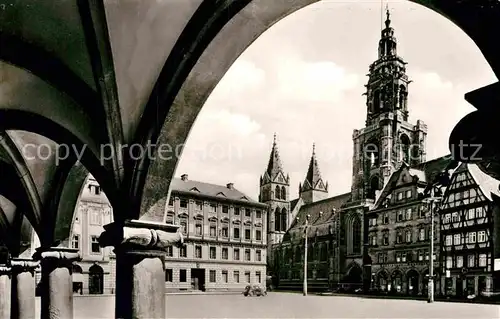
(57, 282)
(5, 288)
(23, 288)
(140, 266)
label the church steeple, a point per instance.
(313, 188)
(275, 191)
(388, 138)
(388, 43)
(274, 167)
(387, 87)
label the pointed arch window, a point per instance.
(376, 101)
(402, 97)
(283, 193)
(404, 142)
(277, 219)
(356, 236)
(277, 192)
(284, 221)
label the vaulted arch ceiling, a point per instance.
(43, 190)
(117, 73)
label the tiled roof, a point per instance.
(208, 189)
(487, 183)
(293, 203)
(433, 167)
(319, 223)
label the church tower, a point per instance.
(388, 139)
(313, 189)
(275, 191)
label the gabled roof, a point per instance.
(486, 183)
(318, 222)
(433, 167)
(208, 189)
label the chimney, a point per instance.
(184, 177)
(230, 185)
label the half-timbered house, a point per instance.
(467, 232)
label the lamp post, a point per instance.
(306, 225)
(432, 201)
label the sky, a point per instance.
(303, 79)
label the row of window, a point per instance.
(314, 252)
(95, 217)
(223, 231)
(401, 216)
(198, 205)
(402, 236)
(212, 276)
(404, 195)
(467, 238)
(94, 243)
(472, 261)
(470, 214)
(198, 253)
(404, 256)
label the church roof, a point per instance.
(197, 188)
(320, 223)
(274, 167)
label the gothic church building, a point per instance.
(337, 229)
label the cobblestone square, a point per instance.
(291, 305)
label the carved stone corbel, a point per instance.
(141, 236)
(5, 270)
(24, 265)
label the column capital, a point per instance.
(141, 236)
(24, 265)
(5, 270)
(57, 253)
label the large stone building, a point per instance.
(399, 232)
(224, 234)
(95, 272)
(470, 227)
(380, 148)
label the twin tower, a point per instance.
(275, 191)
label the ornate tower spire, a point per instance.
(275, 191)
(274, 167)
(313, 188)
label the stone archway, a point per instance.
(396, 281)
(412, 282)
(96, 280)
(382, 281)
(354, 277)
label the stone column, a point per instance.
(5, 288)
(140, 266)
(56, 282)
(23, 288)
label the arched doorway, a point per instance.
(354, 277)
(396, 281)
(382, 281)
(412, 278)
(96, 280)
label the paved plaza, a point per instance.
(291, 305)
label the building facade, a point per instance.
(469, 233)
(399, 232)
(225, 238)
(379, 149)
(95, 273)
